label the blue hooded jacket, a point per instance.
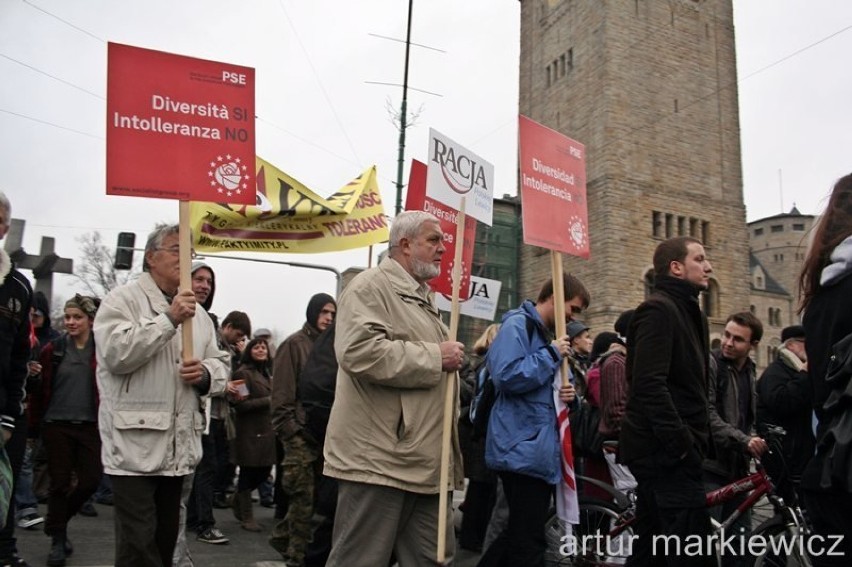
(522, 434)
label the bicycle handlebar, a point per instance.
(769, 431)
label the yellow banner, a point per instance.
(291, 218)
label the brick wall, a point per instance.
(650, 88)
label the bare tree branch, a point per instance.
(96, 269)
(394, 115)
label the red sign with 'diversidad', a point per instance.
(416, 200)
(179, 127)
(553, 189)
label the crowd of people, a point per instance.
(164, 438)
(346, 413)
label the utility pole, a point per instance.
(402, 116)
(44, 265)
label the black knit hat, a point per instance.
(315, 306)
(623, 323)
(602, 342)
(792, 332)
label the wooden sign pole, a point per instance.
(559, 305)
(450, 395)
(185, 242)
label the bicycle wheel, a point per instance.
(594, 541)
(783, 547)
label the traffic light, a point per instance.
(124, 251)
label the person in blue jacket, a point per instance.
(522, 442)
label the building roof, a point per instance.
(794, 212)
(771, 286)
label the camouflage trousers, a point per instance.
(291, 534)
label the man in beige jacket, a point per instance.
(384, 436)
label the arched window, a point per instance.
(710, 299)
(771, 353)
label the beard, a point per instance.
(424, 271)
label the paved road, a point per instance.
(94, 543)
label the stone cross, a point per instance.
(44, 265)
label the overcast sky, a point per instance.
(320, 121)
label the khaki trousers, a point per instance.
(373, 521)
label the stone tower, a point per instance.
(780, 243)
(649, 86)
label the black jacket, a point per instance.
(784, 397)
(827, 320)
(317, 382)
(667, 357)
(15, 302)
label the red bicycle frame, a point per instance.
(758, 482)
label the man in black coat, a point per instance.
(784, 398)
(15, 301)
(665, 432)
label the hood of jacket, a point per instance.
(44, 333)
(841, 264)
(197, 265)
(528, 310)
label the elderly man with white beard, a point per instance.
(384, 436)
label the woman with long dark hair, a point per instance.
(826, 300)
(253, 448)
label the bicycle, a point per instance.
(598, 520)
(602, 522)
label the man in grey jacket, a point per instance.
(150, 415)
(731, 406)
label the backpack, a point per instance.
(586, 438)
(486, 393)
(835, 442)
(482, 402)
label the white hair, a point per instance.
(155, 240)
(407, 225)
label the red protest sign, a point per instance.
(553, 189)
(179, 127)
(416, 200)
